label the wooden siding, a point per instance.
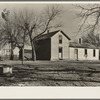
(81, 54)
(43, 49)
(55, 45)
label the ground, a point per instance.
(52, 73)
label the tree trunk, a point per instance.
(21, 53)
(12, 53)
(33, 52)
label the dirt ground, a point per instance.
(52, 73)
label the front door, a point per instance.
(60, 53)
(76, 54)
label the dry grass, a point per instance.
(52, 73)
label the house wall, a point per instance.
(43, 50)
(55, 45)
(81, 54)
(71, 54)
(90, 54)
(5, 51)
(16, 51)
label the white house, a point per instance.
(83, 51)
(53, 46)
(5, 51)
(56, 46)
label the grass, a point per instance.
(52, 73)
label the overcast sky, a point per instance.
(68, 18)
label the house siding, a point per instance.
(72, 54)
(43, 49)
(55, 45)
(81, 54)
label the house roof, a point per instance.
(83, 45)
(49, 35)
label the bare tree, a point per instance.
(92, 39)
(8, 30)
(90, 18)
(12, 33)
(36, 24)
(20, 37)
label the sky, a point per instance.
(68, 18)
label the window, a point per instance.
(94, 53)
(60, 49)
(60, 39)
(85, 51)
(80, 40)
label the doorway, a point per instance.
(60, 53)
(76, 54)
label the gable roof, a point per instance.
(83, 45)
(49, 35)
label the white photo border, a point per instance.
(39, 92)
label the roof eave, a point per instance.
(65, 35)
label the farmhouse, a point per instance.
(57, 46)
(53, 46)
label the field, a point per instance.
(52, 73)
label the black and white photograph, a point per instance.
(50, 44)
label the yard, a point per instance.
(52, 73)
